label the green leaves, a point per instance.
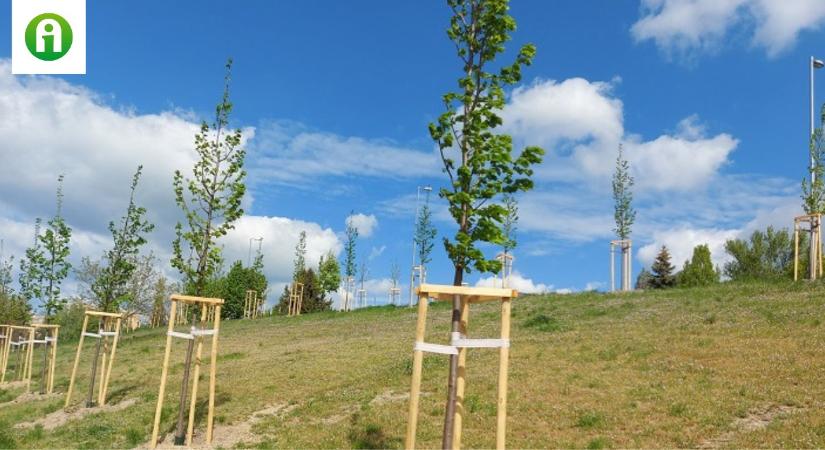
(211, 199)
(425, 234)
(479, 161)
(813, 194)
(624, 213)
(112, 285)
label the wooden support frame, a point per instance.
(252, 306)
(626, 245)
(50, 335)
(209, 307)
(395, 295)
(110, 326)
(296, 299)
(816, 264)
(349, 284)
(4, 338)
(24, 343)
(361, 298)
(506, 260)
(459, 344)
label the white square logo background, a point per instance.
(23, 62)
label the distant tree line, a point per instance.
(765, 255)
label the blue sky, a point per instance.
(709, 98)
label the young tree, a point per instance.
(478, 160)
(624, 214)
(6, 271)
(30, 278)
(213, 203)
(161, 291)
(234, 285)
(362, 277)
(300, 255)
(509, 226)
(14, 309)
(329, 274)
(425, 234)
(349, 258)
(662, 270)
(699, 271)
(54, 265)
(644, 280)
(112, 285)
(813, 193)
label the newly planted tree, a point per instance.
(329, 274)
(46, 264)
(478, 159)
(349, 260)
(425, 234)
(623, 211)
(211, 198)
(300, 256)
(813, 191)
(112, 285)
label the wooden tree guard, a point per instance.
(50, 334)
(506, 260)
(459, 343)
(109, 327)
(627, 249)
(5, 336)
(195, 338)
(24, 344)
(816, 263)
(362, 298)
(252, 305)
(296, 299)
(349, 283)
(395, 295)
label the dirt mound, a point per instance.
(61, 417)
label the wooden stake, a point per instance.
(164, 371)
(197, 373)
(504, 355)
(76, 361)
(30, 364)
(795, 251)
(462, 374)
(106, 379)
(54, 360)
(89, 402)
(418, 359)
(212, 374)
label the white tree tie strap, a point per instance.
(92, 335)
(108, 333)
(209, 332)
(435, 348)
(38, 341)
(459, 341)
(50, 339)
(180, 335)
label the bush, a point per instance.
(766, 255)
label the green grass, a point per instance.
(647, 369)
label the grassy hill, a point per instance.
(727, 366)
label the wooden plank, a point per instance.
(104, 314)
(163, 373)
(193, 401)
(418, 360)
(443, 292)
(461, 381)
(105, 380)
(503, 368)
(189, 299)
(210, 419)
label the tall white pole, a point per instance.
(415, 224)
(813, 253)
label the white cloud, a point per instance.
(53, 127)
(280, 236)
(518, 282)
(289, 152)
(581, 125)
(365, 224)
(686, 26)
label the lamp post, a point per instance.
(249, 254)
(814, 64)
(426, 189)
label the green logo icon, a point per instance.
(48, 37)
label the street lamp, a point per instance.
(814, 64)
(249, 254)
(426, 189)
